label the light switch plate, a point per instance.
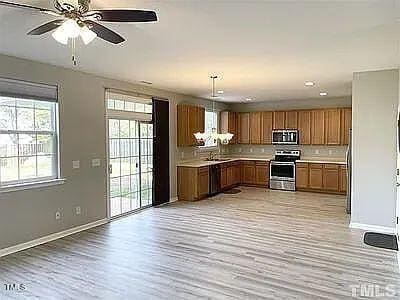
(96, 162)
(76, 164)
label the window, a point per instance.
(28, 140)
(117, 101)
(211, 121)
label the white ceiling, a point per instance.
(265, 50)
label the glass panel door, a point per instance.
(130, 165)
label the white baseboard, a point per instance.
(51, 237)
(374, 228)
(173, 199)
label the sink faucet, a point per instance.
(211, 156)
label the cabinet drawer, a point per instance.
(261, 163)
(331, 166)
(203, 170)
(301, 165)
(316, 166)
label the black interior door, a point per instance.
(161, 172)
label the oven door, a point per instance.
(282, 171)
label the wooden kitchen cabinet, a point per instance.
(224, 176)
(291, 119)
(315, 176)
(228, 123)
(345, 125)
(262, 173)
(279, 119)
(193, 183)
(302, 175)
(332, 126)
(255, 127)
(243, 128)
(304, 127)
(190, 119)
(266, 127)
(248, 172)
(317, 127)
(331, 177)
(343, 179)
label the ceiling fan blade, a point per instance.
(104, 32)
(25, 6)
(46, 27)
(124, 15)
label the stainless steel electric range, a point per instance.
(283, 170)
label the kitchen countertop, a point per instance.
(203, 163)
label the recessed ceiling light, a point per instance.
(248, 99)
(323, 94)
(220, 92)
(145, 82)
(309, 83)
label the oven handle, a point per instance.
(282, 163)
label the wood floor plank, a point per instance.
(258, 244)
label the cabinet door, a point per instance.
(238, 173)
(201, 115)
(315, 180)
(345, 125)
(255, 128)
(266, 127)
(331, 177)
(261, 174)
(332, 126)
(343, 179)
(304, 126)
(230, 175)
(244, 129)
(224, 177)
(232, 127)
(279, 120)
(317, 127)
(248, 172)
(302, 175)
(203, 182)
(291, 119)
(182, 125)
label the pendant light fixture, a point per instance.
(202, 137)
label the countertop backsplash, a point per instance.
(334, 152)
(331, 152)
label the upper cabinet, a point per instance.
(243, 128)
(329, 126)
(255, 127)
(267, 119)
(304, 127)
(279, 120)
(317, 127)
(228, 123)
(345, 125)
(291, 119)
(332, 126)
(190, 119)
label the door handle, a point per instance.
(110, 168)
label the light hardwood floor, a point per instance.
(258, 244)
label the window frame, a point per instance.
(216, 145)
(54, 179)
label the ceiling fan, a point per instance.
(76, 19)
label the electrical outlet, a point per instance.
(182, 155)
(251, 150)
(240, 150)
(330, 152)
(262, 150)
(58, 215)
(317, 151)
(78, 210)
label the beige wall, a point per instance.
(374, 153)
(26, 215)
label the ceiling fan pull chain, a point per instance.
(73, 48)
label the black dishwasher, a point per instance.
(215, 179)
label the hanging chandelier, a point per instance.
(202, 137)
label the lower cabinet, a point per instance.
(255, 173)
(193, 183)
(328, 178)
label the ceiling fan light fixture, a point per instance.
(87, 35)
(71, 28)
(60, 36)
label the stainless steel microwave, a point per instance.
(285, 137)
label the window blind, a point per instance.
(28, 90)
